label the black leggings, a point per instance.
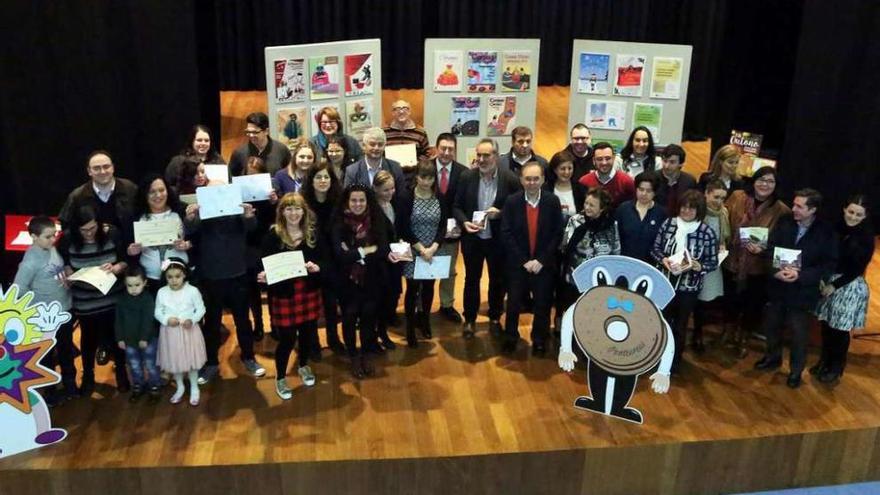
(97, 330)
(835, 345)
(359, 308)
(287, 338)
(413, 289)
(255, 298)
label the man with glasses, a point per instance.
(114, 199)
(520, 152)
(274, 154)
(403, 130)
(579, 148)
(481, 194)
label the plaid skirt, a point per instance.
(304, 305)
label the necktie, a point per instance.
(444, 179)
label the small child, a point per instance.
(136, 334)
(42, 271)
(179, 307)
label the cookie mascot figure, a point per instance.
(618, 323)
(27, 334)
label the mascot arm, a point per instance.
(668, 352)
(566, 357)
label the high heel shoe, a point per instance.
(411, 340)
(426, 325)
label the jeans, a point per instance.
(143, 362)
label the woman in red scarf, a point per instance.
(360, 244)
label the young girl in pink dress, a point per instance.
(179, 308)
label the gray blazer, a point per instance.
(356, 173)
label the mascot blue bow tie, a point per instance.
(623, 304)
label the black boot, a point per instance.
(425, 325)
(386, 339)
(411, 340)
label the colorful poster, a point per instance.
(649, 115)
(517, 71)
(630, 72)
(447, 70)
(325, 77)
(358, 116)
(359, 74)
(313, 114)
(606, 114)
(482, 74)
(593, 73)
(465, 117)
(666, 78)
(293, 123)
(500, 115)
(290, 80)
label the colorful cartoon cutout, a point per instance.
(27, 334)
(618, 323)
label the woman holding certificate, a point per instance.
(687, 249)
(752, 213)
(159, 215)
(385, 187)
(295, 303)
(422, 223)
(360, 245)
(198, 149)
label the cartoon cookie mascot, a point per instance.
(618, 323)
(27, 334)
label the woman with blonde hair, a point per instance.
(303, 157)
(723, 167)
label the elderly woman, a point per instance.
(330, 124)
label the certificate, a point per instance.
(218, 173)
(219, 201)
(156, 232)
(255, 187)
(188, 199)
(404, 154)
(96, 277)
(284, 266)
(438, 268)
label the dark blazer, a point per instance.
(577, 190)
(455, 171)
(818, 259)
(515, 230)
(506, 162)
(403, 217)
(467, 197)
(356, 173)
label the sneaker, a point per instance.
(208, 373)
(254, 367)
(308, 377)
(282, 389)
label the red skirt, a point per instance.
(303, 306)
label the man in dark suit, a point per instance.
(477, 208)
(364, 170)
(531, 228)
(793, 289)
(520, 151)
(448, 176)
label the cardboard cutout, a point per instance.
(618, 323)
(27, 334)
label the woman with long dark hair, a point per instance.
(638, 154)
(198, 148)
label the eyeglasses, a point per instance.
(767, 182)
(399, 109)
(328, 123)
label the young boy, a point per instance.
(42, 271)
(137, 334)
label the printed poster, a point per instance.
(593, 73)
(500, 115)
(517, 71)
(465, 117)
(358, 116)
(482, 74)
(359, 74)
(293, 123)
(325, 77)
(313, 113)
(666, 78)
(290, 80)
(649, 115)
(630, 71)
(606, 114)
(447, 70)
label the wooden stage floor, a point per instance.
(456, 416)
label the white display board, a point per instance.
(302, 79)
(616, 86)
(481, 88)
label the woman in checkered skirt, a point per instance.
(295, 304)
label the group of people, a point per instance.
(531, 222)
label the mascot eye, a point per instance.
(14, 331)
(600, 277)
(643, 285)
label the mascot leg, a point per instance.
(624, 389)
(597, 379)
(45, 433)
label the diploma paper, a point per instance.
(438, 268)
(219, 201)
(255, 187)
(404, 154)
(156, 232)
(96, 277)
(219, 173)
(284, 266)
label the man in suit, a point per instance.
(531, 228)
(477, 208)
(364, 170)
(520, 152)
(448, 176)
